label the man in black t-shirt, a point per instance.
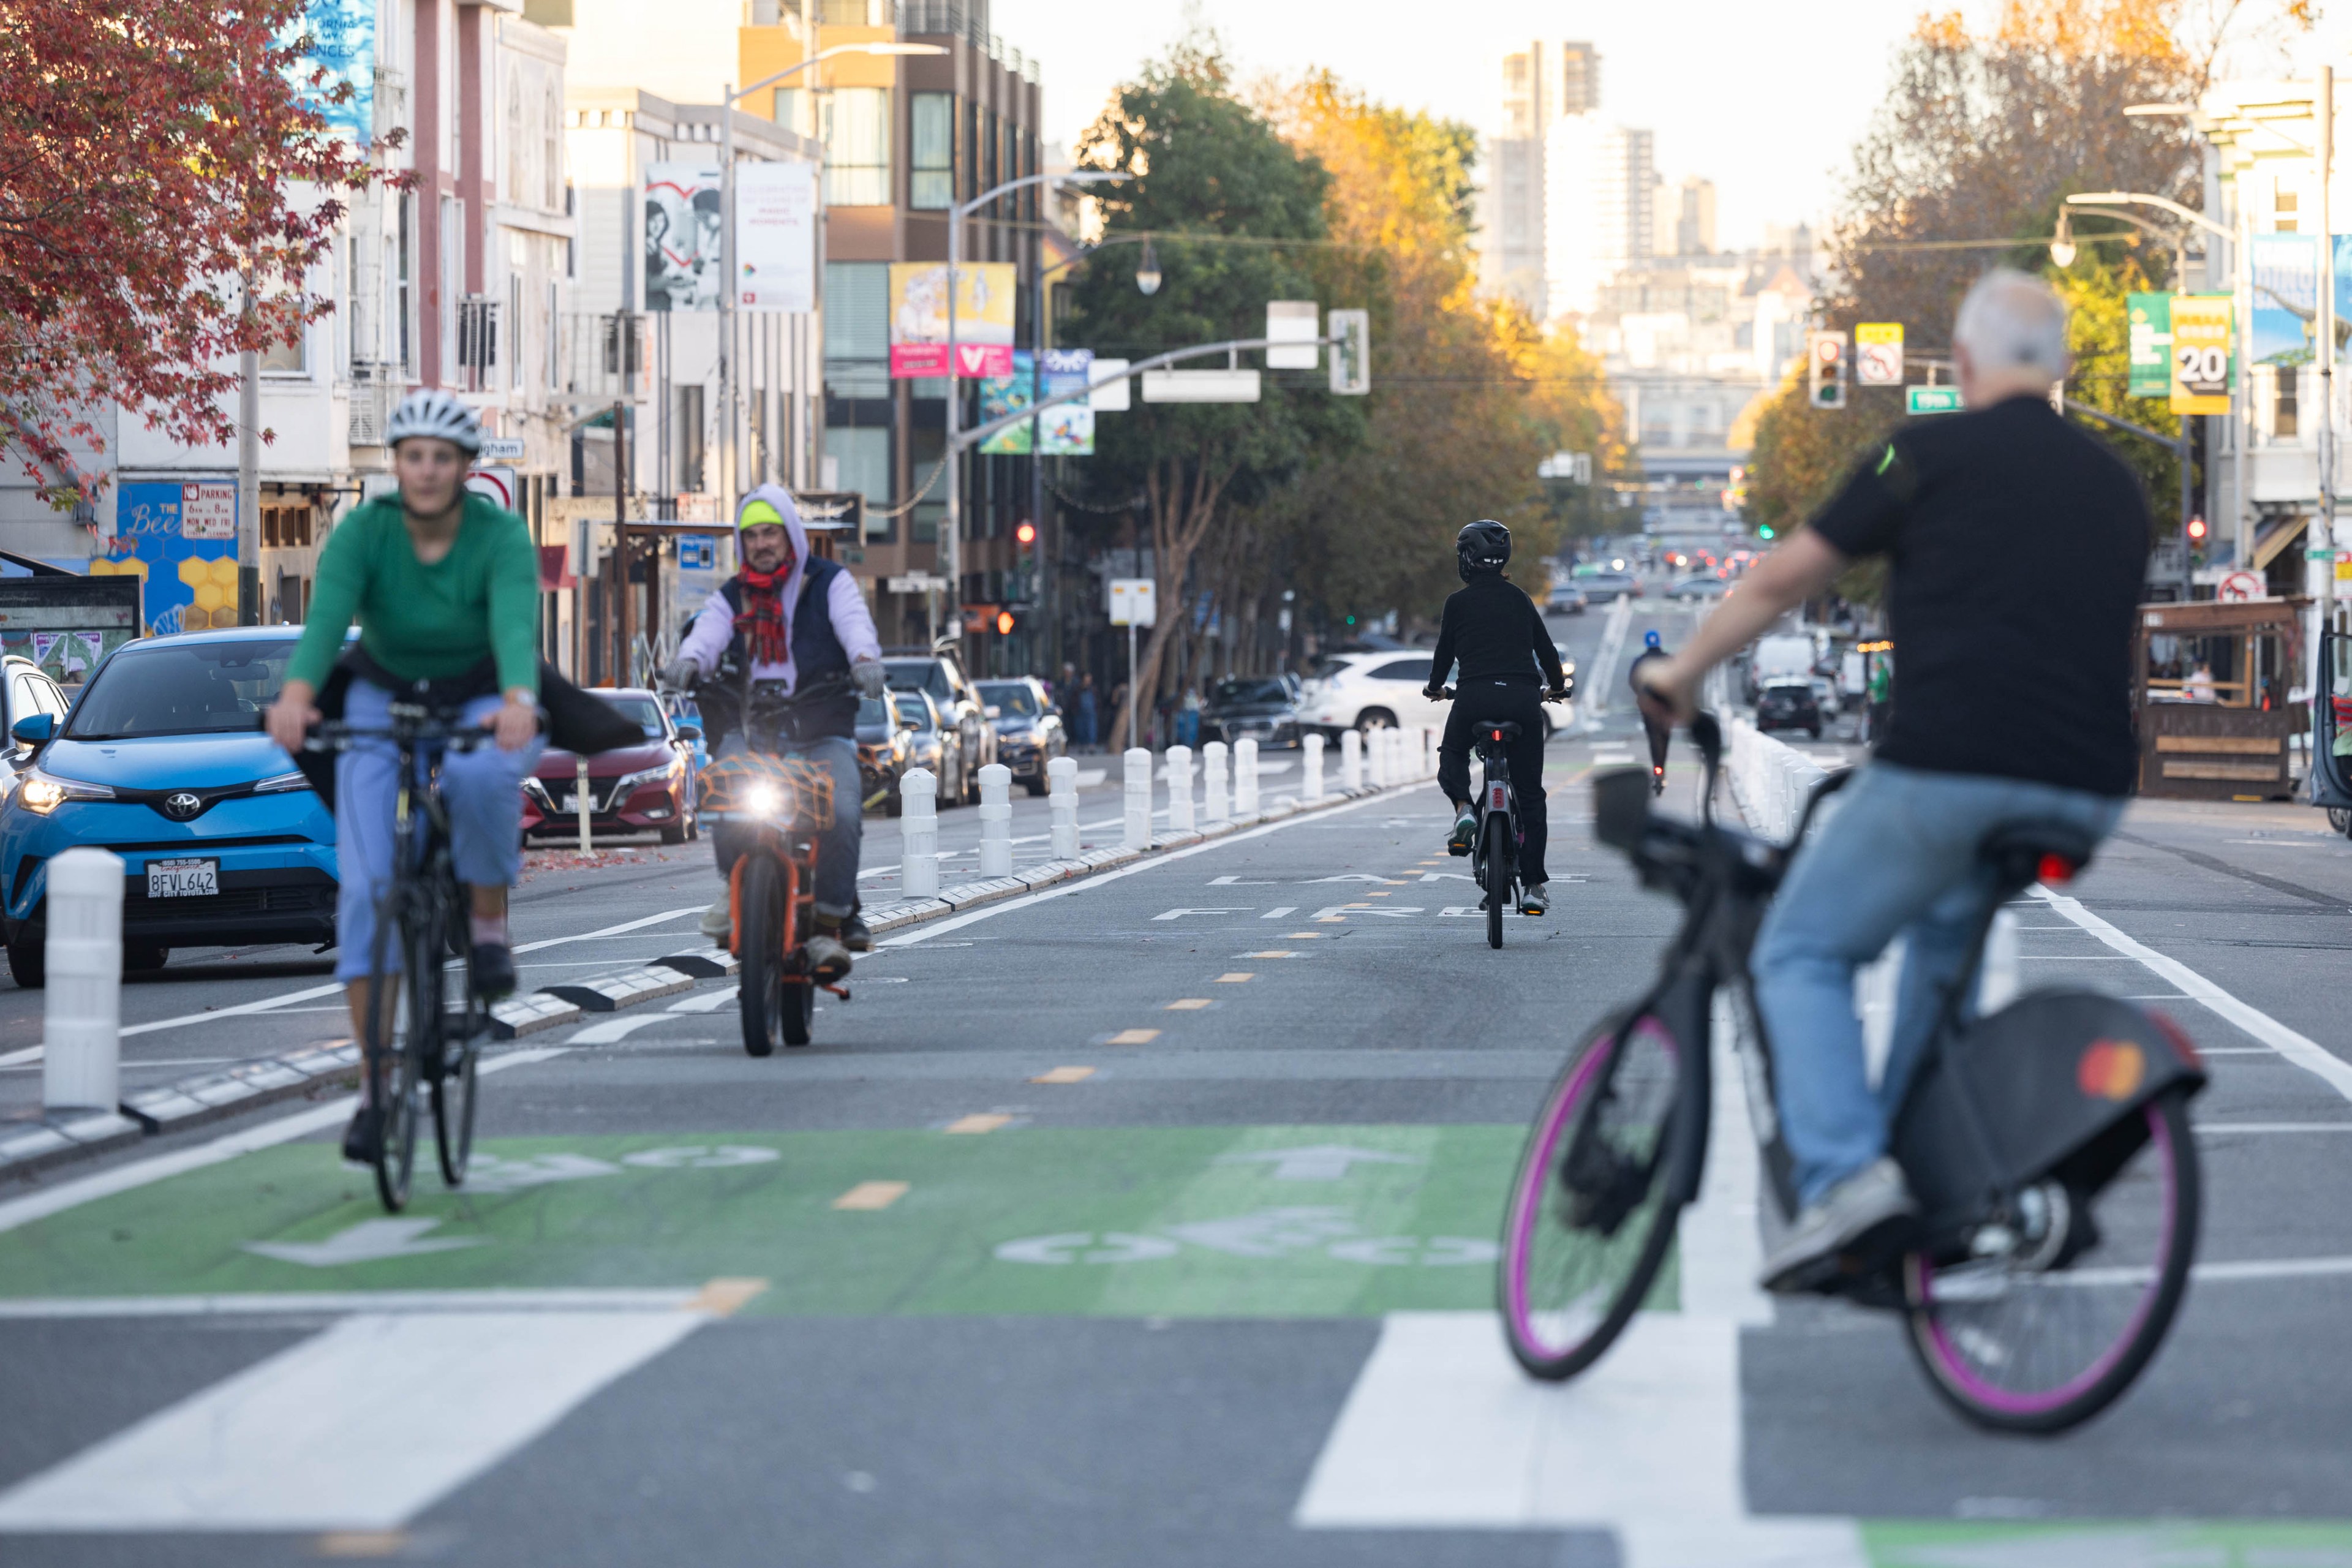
(1508, 664)
(2017, 545)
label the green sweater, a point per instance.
(421, 622)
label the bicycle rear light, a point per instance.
(2056, 869)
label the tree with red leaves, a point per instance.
(168, 174)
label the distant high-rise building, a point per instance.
(1685, 217)
(1599, 189)
(1541, 84)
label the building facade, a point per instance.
(1541, 84)
(1600, 218)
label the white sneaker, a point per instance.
(1861, 1215)
(718, 919)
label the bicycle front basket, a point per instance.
(773, 789)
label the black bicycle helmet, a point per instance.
(1481, 546)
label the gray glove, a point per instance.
(870, 676)
(681, 672)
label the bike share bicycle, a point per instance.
(2047, 1144)
(771, 809)
(1495, 849)
(426, 1021)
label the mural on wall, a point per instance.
(180, 542)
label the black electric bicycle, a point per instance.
(426, 1023)
(2047, 1144)
(1494, 851)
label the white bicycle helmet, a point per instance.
(435, 412)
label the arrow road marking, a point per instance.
(369, 1241)
(1319, 1163)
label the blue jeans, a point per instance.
(482, 791)
(838, 846)
(1897, 854)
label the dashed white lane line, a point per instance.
(162, 1167)
(318, 1437)
(2301, 1049)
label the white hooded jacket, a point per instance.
(714, 625)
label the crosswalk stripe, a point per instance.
(362, 1427)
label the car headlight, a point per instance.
(538, 792)
(279, 784)
(44, 792)
(647, 775)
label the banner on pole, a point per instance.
(919, 319)
(2149, 317)
(775, 236)
(1066, 430)
(1014, 393)
(682, 229)
(2204, 367)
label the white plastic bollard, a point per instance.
(1310, 763)
(1352, 762)
(83, 1013)
(1244, 778)
(918, 835)
(580, 801)
(1062, 804)
(1376, 759)
(996, 820)
(1180, 790)
(1138, 798)
(1216, 804)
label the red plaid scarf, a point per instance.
(761, 624)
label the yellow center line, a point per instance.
(1235, 977)
(722, 1298)
(1271, 952)
(1134, 1037)
(871, 1196)
(1189, 1004)
(978, 1121)
(1302, 936)
(1064, 1075)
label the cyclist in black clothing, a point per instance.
(1660, 730)
(1509, 666)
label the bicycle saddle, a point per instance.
(2024, 853)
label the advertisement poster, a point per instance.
(919, 319)
(1066, 430)
(2150, 348)
(342, 43)
(1003, 394)
(2202, 363)
(682, 233)
(775, 236)
(188, 574)
(2286, 313)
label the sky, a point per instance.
(1767, 100)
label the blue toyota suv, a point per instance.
(162, 761)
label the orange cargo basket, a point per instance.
(736, 786)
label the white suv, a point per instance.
(1379, 690)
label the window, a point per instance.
(688, 419)
(1403, 670)
(865, 458)
(517, 145)
(931, 150)
(550, 152)
(286, 527)
(856, 137)
(514, 326)
(2284, 411)
(857, 310)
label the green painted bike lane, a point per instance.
(1249, 1222)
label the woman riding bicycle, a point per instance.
(444, 586)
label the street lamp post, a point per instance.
(729, 97)
(951, 543)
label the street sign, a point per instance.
(916, 582)
(1878, 353)
(1931, 400)
(1200, 386)
(496, 485)
(1351, 356)
(2149, 352)
(1574, 467)
(2241, 587)
(1825, 367)
(2203, 367)
(500, 449)
(1107, 393)
(1134, 601)
(1292, 326)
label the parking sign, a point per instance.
(1878, 353)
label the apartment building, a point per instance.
(1541, 83)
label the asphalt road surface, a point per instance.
(1148, 1220)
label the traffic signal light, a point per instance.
(1826, 358)
(1763, 530)
(2196, 530)
(1005, 622)
(1025, 534)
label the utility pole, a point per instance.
(249, 476)
(2323, 527)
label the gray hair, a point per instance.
(2014, 321)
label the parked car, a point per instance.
(932, 742)
(25, 689)
(1264, 709)
(1789, 705)
(637, 789)
(1605, 587)
(687, 719)
(1698, 586)
(886, 747)
(162, 761)
(1029, 733)
(1567, 599)
(1377, 691)
(938, 672)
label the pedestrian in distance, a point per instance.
(1659, 729)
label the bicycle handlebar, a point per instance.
(334, 735)
(1447, 694)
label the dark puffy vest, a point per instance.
(817, 652)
